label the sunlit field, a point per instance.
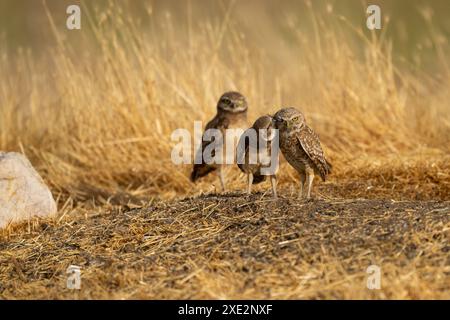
(94, 109)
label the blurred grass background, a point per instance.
(24, 23)
(94, 108)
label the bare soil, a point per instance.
(236, 246)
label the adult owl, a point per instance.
(301, 147)
(231, 114)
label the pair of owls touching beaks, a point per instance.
(299, 144)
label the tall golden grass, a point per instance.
(96, 111)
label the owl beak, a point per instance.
(288, 124)
(236, 105)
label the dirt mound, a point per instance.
(236, 246)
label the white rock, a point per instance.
(23, 193)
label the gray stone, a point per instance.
(23, 193)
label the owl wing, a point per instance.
(202, 169)
(221, 123)
(243, 149)
(310, 143)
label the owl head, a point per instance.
(232, 102)
(265, 123)
(288, 119)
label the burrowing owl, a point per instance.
(300, 146)
(250, 156)
(231, 113)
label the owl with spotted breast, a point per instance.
(231, 114)
(301, 147)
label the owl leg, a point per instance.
(302, 184)
(250, 182)
(222, 178)
(273, 182)
(310, 178)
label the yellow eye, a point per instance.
(226, 101)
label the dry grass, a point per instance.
(237, 247)
(96, 117)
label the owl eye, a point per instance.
(226, 101)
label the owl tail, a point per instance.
(329, 166)
(326, 170)
(258, 178)
(200, 170)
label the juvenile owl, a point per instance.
(231, 114)
(300, 146)
(250, 156)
